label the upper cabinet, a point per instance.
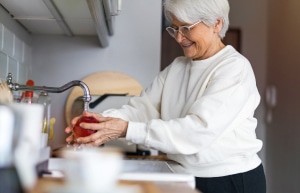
(66, 17)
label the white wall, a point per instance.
(134, 50)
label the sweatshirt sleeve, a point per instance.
(142, 108)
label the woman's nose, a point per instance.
(179, 37)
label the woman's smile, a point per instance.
(189, 48)
(187, 45)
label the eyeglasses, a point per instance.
(183, 30)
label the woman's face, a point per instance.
(201, 42)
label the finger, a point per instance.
(74, 120)
(97, 138)
(68, 129)
(88, 139)
(98, 142)
(86, 113)
(70, 139)
(104, 119)
(93, 126)
(92, 114)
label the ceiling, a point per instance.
(63, 17)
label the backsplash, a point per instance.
(15, 56)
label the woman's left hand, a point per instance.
(108, 129)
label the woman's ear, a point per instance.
(218, 25)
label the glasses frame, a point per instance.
(174, 32)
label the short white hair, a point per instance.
(191, 11)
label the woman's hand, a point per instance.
(108, 129)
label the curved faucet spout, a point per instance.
(86, 92)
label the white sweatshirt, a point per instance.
(201, 113)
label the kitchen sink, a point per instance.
(143, 170)
(146, 166)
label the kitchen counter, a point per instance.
(54, 185)
(137, 176)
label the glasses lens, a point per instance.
(184, 30)
(171, 31)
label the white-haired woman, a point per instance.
(200, 109)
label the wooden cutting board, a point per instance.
(104, 82)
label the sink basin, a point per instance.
(129, 166)
(146, 166)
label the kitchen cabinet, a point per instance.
(65, 17)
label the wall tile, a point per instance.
(1, 35)
(15, 55)
(13, 68)
(3, 65)
(8, 42)
(18, 49)
(27, 54)
(23, 73)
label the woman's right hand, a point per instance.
(108, 128)
(69, 129)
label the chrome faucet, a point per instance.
(86, 96)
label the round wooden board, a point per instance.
(105, 82)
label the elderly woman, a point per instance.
(200, 109)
